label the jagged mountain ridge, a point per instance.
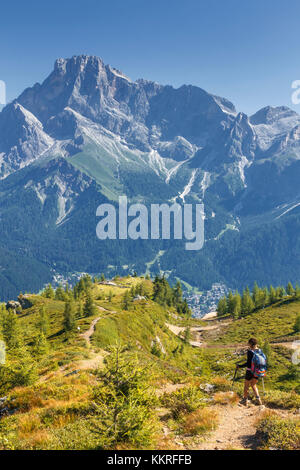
(152, 143)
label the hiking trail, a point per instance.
(236, 429)
(196, 330)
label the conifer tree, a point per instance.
(297, 324)
(222, 307)
(247, 305)
(49, 292)
(89, 306)
(43, 321)
(60, 293)
(290, 289)
(69, 318)
(265, 296)
(40, 346)
(236, 304)
(11, 331)
(230, 303)
(256, 295)
(126, 300)
(187, 335)
(269, 353)
(80, 310)
(273, 295)
(177, 292)
(280, 292)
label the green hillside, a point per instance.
(122, 365)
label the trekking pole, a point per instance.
(234, 377)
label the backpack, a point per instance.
(259, 363)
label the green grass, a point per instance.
(269, 324)
(57, 410)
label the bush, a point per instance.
(221, 384)
(279, 433)
(280, 399)
(185, 400)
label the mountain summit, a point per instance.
(89, 134)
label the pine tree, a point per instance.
(265, 296)
(187, 335)
(185, 308)
(49, 292)
(290, 289)
(60, 293)
(80, 310)
(43, 321)
(126, 300)
(256, 295)
(280, 292)
(230, 303)
(297, 324)
(102, 278)
(222, 307)
(125, 400)
(177, 293)
(40, 346)
(269, 353)
(89, 306)
(297, 291)
(236, 303)
(69, 318)
(247, 305)
(273, 295)
(11, 331)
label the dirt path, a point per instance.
(87, 334)
(236, 429)
(290, 345)
(197, 330)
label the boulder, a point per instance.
(14, 305)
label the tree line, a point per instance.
(237, 305)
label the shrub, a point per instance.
(185, 400)
(221, 384)
(279, 433)
(280, 399)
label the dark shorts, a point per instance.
(249, 375)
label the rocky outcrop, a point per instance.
(14, 305)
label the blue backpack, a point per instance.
(259, 363)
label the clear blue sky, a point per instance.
(245, 50)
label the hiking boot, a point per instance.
(244, 402)
(258, 401)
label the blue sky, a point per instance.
(245, 50)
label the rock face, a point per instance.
(24, 301)
(14, 305)
(88, 134)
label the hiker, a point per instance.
(256, 367)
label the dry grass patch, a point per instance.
(201, 421)
(226, 398)
(221, 384)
